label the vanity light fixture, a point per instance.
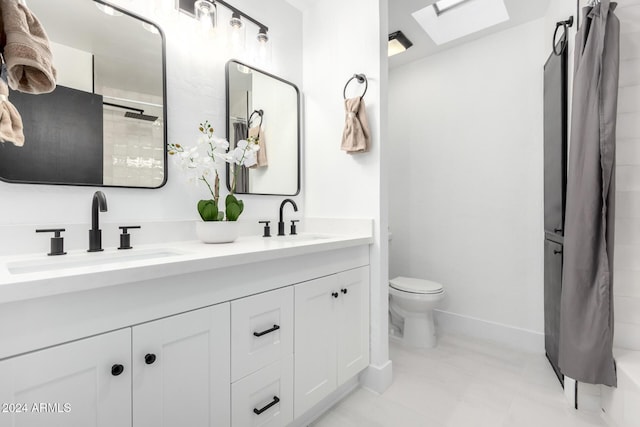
(206, 14)
(237, 31)
(398, 43)
(200, 8)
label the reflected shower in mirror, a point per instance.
(265, 107)
(104, 124)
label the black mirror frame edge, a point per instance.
(235, 61)
(164, 112)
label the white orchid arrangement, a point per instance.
(202, 161)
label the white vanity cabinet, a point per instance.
(172, 371)
(213, 345)
(181, 370)
(331, 334)
(84, 383)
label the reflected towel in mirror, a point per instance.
(258, 132)
(11, 129)
(356, 137)
(26, 50)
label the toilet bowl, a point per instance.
(411, 304)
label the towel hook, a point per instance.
(260, 114)
(360, 78)
(563, 39)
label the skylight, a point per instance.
(462, 17)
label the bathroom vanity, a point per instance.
(257, 331)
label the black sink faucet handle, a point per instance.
(267, 229)
(125, 237)
(57, 241)
(293, 226)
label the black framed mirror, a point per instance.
(105, 123)
(266, 107)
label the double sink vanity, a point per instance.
(250, 333)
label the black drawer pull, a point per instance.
(556, 252)
(117, 370)
(557, 230)
(273, 402)
(268, 331)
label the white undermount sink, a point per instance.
(63, 262)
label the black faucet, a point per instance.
(95, 234)
(281, 222)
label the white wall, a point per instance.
(195, 92)
(341, 39)
(466, 173)
(627, 245)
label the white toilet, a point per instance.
(411, 304)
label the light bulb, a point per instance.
(263, 45)
(236, 39)
(206, 15)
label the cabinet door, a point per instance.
(181, 370)
(314, 342)
(75, 384)
(353, 323)
(264, 398)
(552, 292)
(261, 331)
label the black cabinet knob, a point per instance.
(149, 358)
(344, 291)
(117, 370)
(334, 294)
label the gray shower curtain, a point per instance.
(586, 307)
(240, 131)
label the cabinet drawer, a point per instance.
(264, 398)
(261, 331)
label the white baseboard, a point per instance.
(511, 336)
(377, 378)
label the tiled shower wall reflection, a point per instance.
(133, 148)
(627, 246)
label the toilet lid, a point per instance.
(416, 286)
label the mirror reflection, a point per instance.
(264, 107)
(104, 124)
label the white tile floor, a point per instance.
(463, 383)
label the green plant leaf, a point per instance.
(234, 207)
(208, 210)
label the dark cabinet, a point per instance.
(555, 187)
(552, 292)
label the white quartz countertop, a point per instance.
(33, 276)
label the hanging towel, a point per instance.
(10, 120)
(586, 303)
(356, 136)
(258, 132)
(26, 50)
(242, 177)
